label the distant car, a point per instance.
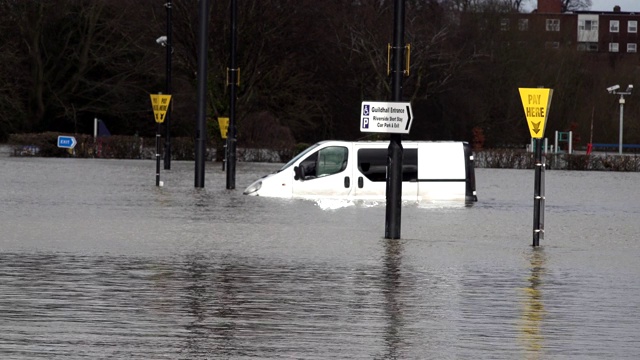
(431, 171)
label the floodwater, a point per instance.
(97, 262)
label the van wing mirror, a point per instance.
(299, 173)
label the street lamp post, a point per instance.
(167, 126)
(165, 41)
(614, 90)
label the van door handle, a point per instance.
(347, 182)
(360, 182)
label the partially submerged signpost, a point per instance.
(392, 118)
(536, 104)
(386, 117)
(223, 123)
(160, 104)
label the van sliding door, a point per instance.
(371, 172)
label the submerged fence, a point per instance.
(522, 159)
(134, 147)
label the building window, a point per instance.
(552, 45)
(632, 26)
(613, 47)
(588, 25)
(592, 46)
(632, 47)
(523, 24)
(614, 26)
(504, 24)
(553, 25)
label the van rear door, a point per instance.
(442, 171)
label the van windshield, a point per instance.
(302, 154)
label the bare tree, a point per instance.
(82, 57)
(13, 76)
(275, 57)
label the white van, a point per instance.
(432, 171)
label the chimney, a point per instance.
(550, 6)
(616, 8)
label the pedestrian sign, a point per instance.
(160, 104)
(536, 103)
(223, 122)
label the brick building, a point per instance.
(612, 31)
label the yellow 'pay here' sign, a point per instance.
(536, 104)
(160, 104)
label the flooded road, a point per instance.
(97, 262)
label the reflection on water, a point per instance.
(533, 306)
(393, 306)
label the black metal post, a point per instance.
(233, 80)
(538, 195)
(167, 118)
(394, 159)
(201, 133)
(158, 155)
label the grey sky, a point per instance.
(625, 5)
(601, 5)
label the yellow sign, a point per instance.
(160, 104)
(536, 104)
(224, 126)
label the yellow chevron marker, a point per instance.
(536, 103)
(223, 122)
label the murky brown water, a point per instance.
(96, 262)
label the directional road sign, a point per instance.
(386, 117)
(536, 104)
(66, 142)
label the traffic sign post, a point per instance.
(393, 118)
(386, 117)
(160, 104)
(66, 142)
(536, 103)
(223, 123)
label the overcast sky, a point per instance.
(607, 5)
(602, 5)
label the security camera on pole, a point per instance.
(614, 90)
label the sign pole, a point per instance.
(394, 161)
(538, 194)
(536, 103)
(223, 123)
(167, 136)
(160, 104)
(158, 154)
(230, 151)
(201, 130)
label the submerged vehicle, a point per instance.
(431, 171)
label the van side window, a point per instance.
(328, 161)
(372, 163)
